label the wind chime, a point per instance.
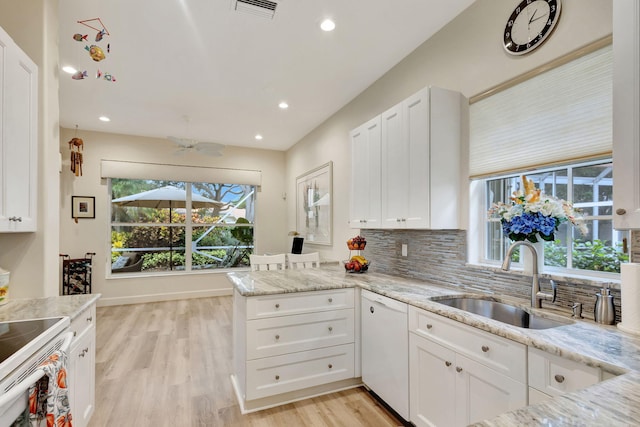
(75, 145)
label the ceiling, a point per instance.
(201, 69)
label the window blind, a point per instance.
(562, 115)
(136, 170)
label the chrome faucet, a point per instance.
(536, 295)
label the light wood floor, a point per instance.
(168, 364)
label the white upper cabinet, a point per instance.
(421, 161)
(365, 172)
(626, 114)
(18, 138)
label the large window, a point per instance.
(160, 226)
(590, 187)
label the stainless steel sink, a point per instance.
(501, 312)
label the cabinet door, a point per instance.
(482, 393)
(395, 171)
(626, 115)
(415, 110)
(432, 383)
(82, 361)
(365, 175)
(18, 140)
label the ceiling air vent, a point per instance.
(264, 8)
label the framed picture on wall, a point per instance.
(313, 205)
(83, 207)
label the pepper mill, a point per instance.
(604, 311)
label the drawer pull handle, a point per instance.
(458, 369)
(330, 366)
(277, 377)
(277, 337)
(447, 363)
(89, 319)
(559, 378)
(330, 328)
(371, 309)
(330, 300)
(485, 348)
(621, 211)
(277, 305)
(75, 333)
(429, 326)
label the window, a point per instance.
(589, 186)
(159, 226)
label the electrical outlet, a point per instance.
(404, 249)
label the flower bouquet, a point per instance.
(532, 214)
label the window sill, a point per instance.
(577, 279)
(174, 273)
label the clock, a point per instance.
(530, 24)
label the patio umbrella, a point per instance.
(166, 197)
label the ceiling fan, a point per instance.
(188, 144)
(206, 148)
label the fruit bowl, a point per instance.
(355, 267)
(356, 246)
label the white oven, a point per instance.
(24, 345)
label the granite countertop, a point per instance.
(37, 308)
(614, 402)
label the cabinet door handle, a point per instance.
(330, 300)
(485, 348)
(458, 369)
(277, 337)
(89, 319)
(371, 309)
(277, 305)
(621, 211)
(330, 366)
(277, 377)
(447, 363)
(559, 378)
(429, 326)
(330, 328)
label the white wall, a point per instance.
(93, 235)
(466, 55)
(32, 258)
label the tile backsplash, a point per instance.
(440, 256)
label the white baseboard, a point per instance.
(173, 296)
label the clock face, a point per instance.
(530, 24)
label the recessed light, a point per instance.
(68, 69)
(283, 105)
(258, 137)
(104, 119)
(328, 25)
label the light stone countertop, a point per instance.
(37, 308)
(614, 402)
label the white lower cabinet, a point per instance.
(82, 361)
(288, 345)
(551, 375)
(460, 375)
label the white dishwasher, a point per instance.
(385, 350)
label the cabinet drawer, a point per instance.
(280, 374)
(500, 354)
(298, 303)
(83, 321)
(287, 334)
(556, 375)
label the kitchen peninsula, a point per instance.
(613, 401)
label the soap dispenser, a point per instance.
(604, 311)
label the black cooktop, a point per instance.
(15, 335)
